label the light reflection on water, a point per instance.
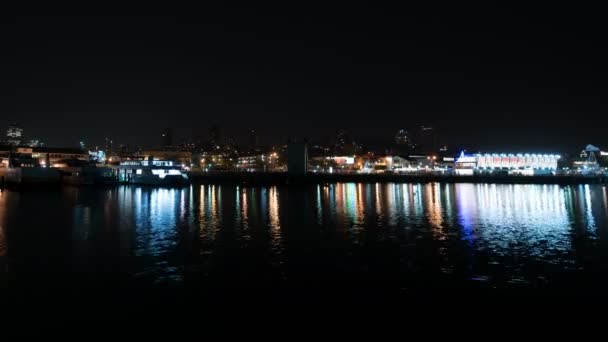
(466, 229)
(3, 210)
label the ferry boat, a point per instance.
(152, 172)
(79, 172)
(24, 170)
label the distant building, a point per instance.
(14, 135)
(167, 139)
(109, 146)
(427, 140)
(403, 143)
(215, 137)
(402, 138)
(124, 151)
(344, 144)
(258, 162)
(49, 156)
(35, 143)
(253, 139)
(216, 160)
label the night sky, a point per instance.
(494, 78)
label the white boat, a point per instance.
(152, 172)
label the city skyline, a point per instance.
(532, 79)
(415, 141)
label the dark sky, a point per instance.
(486, 76)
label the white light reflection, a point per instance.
(590, 221)
(515, 218)
(156, 222)
(319, 206)
(605, 196)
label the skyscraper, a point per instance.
(253, 139)
(167, 138)
(427, 140)
(14, 135)
(344, 144)
(109, 146)
(403, 142)
(215, 135)
(402, 138)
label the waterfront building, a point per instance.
(49, 156)
(588, 163)
(216, 161)
(515, 164)
(258, 162)
(334, 164)
(390, 163)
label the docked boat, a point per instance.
(152, 172)
(78, 172)
(24, 170)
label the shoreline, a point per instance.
(284, 179)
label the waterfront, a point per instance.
(397, 237)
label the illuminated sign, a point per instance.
(344, 160)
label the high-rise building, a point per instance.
(427, 140)
(124, 150)
(402, 138)
(215, 137)
(253, 139)
(344, 144)
(167, 138)
(341, 140)
(403, 142)
(109, 146)
(14, 135)
(35, 143)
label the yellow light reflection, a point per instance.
(433, 204)
(3, 210)
(244, 209)
(273, 210)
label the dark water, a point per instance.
(348, 241)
